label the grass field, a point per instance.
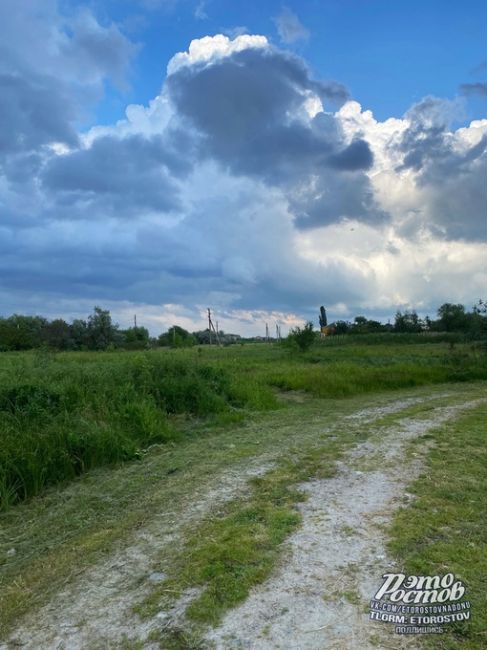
(65, 413)
(111, 442)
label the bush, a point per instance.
(302, 337)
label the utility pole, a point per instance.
(278, 332)
(211, 328)
(135, 321)
(267, 333)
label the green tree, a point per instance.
(203, 336)
(135, 338)
(323, 318)
(363, 326)
(58, 335)
(100, 329)
(407, 322)
(177, 337)
(79, 334)
(452, 318)
(478, 318)
(342, 327)
(21, 332)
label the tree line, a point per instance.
(99, 332)
(96, 332)
(450, 318)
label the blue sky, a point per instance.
(389, 54)
(161, 156)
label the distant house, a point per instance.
(326, 330)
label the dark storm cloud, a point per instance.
(34, 111)
(249, 111)
(355, 157)
(429, 146)
(340, 195)
(242, 103)
(52, 68)
(332, 91)
(123, 175)
(23, 167)
(458, 205)
(459, 192)
(426, 137)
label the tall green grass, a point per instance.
(61, 414)
(348, 378)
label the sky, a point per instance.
(158, 157)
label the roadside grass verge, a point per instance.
(444, 530)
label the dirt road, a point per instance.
(317, 599)
(331, 566)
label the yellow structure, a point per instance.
(327, 330)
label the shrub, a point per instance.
(302, 337)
